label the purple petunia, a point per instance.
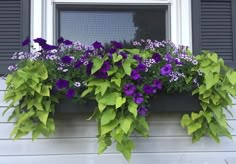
(166, 69)
(97, 45)
(68, 42)
(66, 59)
(48, 47)
(138, 98)
(60, 40)
(105, 67)
(89, 68)
(129, 89)
(61, 83)
(101, 75)
(156, 57)
(124, 55)
(112, 51)
(70, 93)
(135, 75)
(142, 111)
(138, 58)
(157, 84)
(26, 42)
(78, 64)
(141, 67)
(40, 41)
(168, 58)
(117, 45)
(148, 89)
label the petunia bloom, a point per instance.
(129, 89)
(89, 68)
(61, 83)
(166, 69)
(105, 67)
(68, 42)
(135, 75)
(117, 44)
(148, 89)
(156, 57)
(157, 84)
(141, 67)
(66, 59)
(40, 41)
(70, 93)
(142, 111)
(60, 40)
(26, 42)
(97, 45)
(138, 98)
(48, 47)
(138, 58)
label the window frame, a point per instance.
(69, 7)
(44, 16)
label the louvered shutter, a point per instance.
(214, 28)
(14, 27)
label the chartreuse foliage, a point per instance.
(214, 93)
(115, 122)
(29, 97)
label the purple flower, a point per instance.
(168, 58)
(142, 111)
(112, 51)
(61, 83)
(138, 98)
(70, 93)
(141, 67)
(129, 89)
(48, 47)
(178, 61)
(157, 84)
(105, 67)
(124, 55)
(166, 69)
(117, 44)
(26, 42)
(66, 59)
(40, 41)
(60, 40)
(97, 45)
(78, 63)
(89, 68)
(138, 58)
(68, 42)
(101, 75)
(135, 75)
(156, 57)
(148, 89)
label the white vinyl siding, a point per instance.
(74, 142)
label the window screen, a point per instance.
(106, 23)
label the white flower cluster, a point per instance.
(175, 76)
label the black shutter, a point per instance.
(214, 28)
(14, 27)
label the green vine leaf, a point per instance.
(127, 67)
(97, 64)
(133, 108)
(43, 116)
(125, 123)
(120, 101)
(107, 116)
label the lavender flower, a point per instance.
(142, 111)
(129, 89)
(11, 68)
(77, 84)
(168, 58)
(166, 69)
(135, 75)
(156, 57)
(61, 83)
(148, 89)
(70, 93)
(157, 84)
(138, 98)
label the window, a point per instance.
(104, 23)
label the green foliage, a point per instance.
(29, 98)
(215, 92)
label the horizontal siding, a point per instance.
(137, 158)
(74, 142)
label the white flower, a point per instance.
(11, 68)
(195, 62)
(53, 51)
(64, 70)
(59, 68)
(85, 63)
(21, 57)
(77, 84)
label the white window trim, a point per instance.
(43, 17)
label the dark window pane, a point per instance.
(105, 25)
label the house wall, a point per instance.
(74, 142)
